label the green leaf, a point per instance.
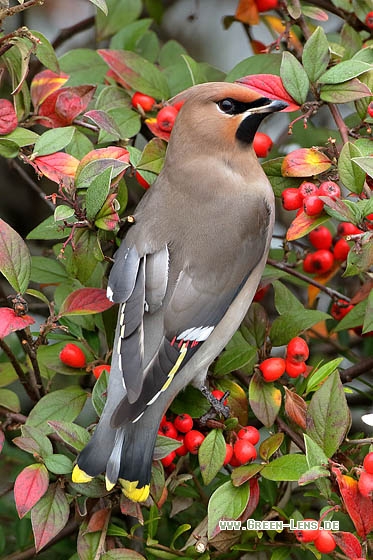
(128, 37)
(227, 502)
(316, 54)
(87, 174)
(328, 415)
(314, 453)
(242, 474)
(15, 259)
(265, 400)
(48, 229)
(7, 374)
(79, 146)
(179, 531)
(294, 77)
(362, 104)
(99, 392)
(190, 401)
(49, 516)
(152, 158)
(354, 318)
(270, 445)
(237, 400)
(101, 4)
(97, 192)
(84, 66)
(365, 163)
(235, 358)
(287, 326)
(344, 71)
(43, 443)
(170, 53)
(351, 90)
(64, 404)
(194, 68)
(211, 455)
(120, 14)
(47, 271)
(123, 554)
(263, 64)
(45, 52)
(164, 445)
(360, 257)
(22, 137)
(127, 122)
(254, 327)
(8, 149)
(9, 400)
(71, 433)
(53, 140)
(63, 212)
(285, 300)
(319, 374)
(285, 468)
(58, 464)
(350, 173)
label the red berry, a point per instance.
(228, 453)
(370, 109)
(341, 250)
(262, 144)
(330, 188)
(141, 181)
(259, 294)
(307, 535)
(365, 484)
(182, 450)
(183, 423)
(321, 238)
(323, 260)
(369, 20)
(73, 356)
(307, 189)
(347, 228)
(166, 118)
(295, 369)
(234, 462)
(193, 441)
(325, 542)
(168, 429)
(312, 205)
(219, 395)
(164, 419)
(166, 461)
(297, 350)
(272, 368)
(99, 369)
(340, 309)
(308, 265)
(265, 5)
(291, 199)
(244, 451)
(250, 433)
(145, 101)
(368, 463)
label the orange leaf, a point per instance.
(57, 167)
(44, 84)
(11, 322)
(247, 12)
(270, 86)
(305, 162)
(303, 224)
(277, 24)
(359, 508)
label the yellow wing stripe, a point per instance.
(176, 367)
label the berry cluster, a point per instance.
(307, 196)
(365, 483)
(321, 538)
(294, 364)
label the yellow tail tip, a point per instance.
(79, 476)
(109, 485)
(130, 490)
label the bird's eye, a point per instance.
(227, 106)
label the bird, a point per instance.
(183, 276)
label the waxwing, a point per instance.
(184, 275)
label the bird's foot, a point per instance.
(217, 405)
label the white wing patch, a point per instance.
(197, 334)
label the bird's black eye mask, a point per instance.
(231, 106)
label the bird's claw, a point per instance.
(217, 405)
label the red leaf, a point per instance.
(349, 544)
(30, 485)
(115, 60)
(154, 128)
(85, 301)
(10, 322)
(303, 224)
(359, 508)
(98, 520)
(305, 162)
(57, 167)
(49, 516)
(270, 86)
(62, 106)
(8, 117)
(2, 440)
(253, 500)
(44, 84)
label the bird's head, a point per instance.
(221, 114)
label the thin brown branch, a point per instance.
(331, 293)
(364, 366)
(68, 32)
(28, 345)
(343, 129)
(7, 12)
(30, 390)
(293, 435)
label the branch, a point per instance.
(29, 346)
(365, 366)
(7, 12)
(35, 187)
(331, 293)
(343, 129)
(30, 390)
(69, 32)
(293, 435)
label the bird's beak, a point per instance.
(272, 106)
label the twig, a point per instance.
(7, 12)
(69, 32)
(28, 345)
(30, 390)
(293, 435)
(26, 348)
(331, 293)
(365, 366)
(343, 129)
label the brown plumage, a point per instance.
(184, 275)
